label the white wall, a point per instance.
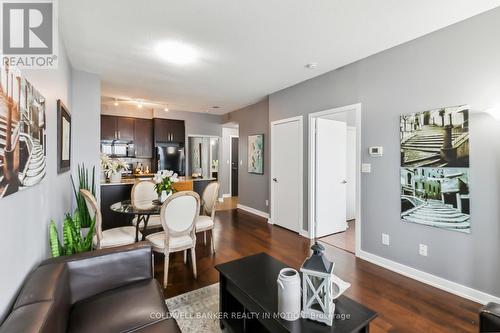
(86, 122)
(225, 161)
(25, 215)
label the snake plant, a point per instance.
(73, 241)
(87, 183)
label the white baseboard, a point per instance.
(226, 195)
(253, 211)
(221, 199)
(305, 234)
(270, 221)
(427, 278)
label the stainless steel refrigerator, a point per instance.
(171, 156)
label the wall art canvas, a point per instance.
(435, 168)
(256, 154)
(22, 133)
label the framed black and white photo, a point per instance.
(63, 138)
(435, 168)
(23, 155)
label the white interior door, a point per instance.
(330, 176)
(351, 173)
(286, 174)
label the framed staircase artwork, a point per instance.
(22, 133)
(435, 168)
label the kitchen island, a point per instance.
(115, 192)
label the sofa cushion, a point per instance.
(43, 304)
(119, 310)
(39, 317)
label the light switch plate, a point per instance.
(366, 167)
(385, 239)
(422, 250)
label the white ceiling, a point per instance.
(248, 48)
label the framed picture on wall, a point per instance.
(63, 138)
(22, 113)
(256, 154)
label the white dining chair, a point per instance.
(107, 238)
(142, 197)
(206, 221)
(177, 215)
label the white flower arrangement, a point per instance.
(111, 166)
(105, 161)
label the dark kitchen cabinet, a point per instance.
(177, 130)
(161, 130)
(125, 128)
(143, 138)
(117, 128)
(108, 128)
(169, 130)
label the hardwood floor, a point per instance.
(403, 304)
(227, 204)
(343, 240)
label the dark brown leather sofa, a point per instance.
(489, 318)
(111, 290)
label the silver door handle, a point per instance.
(344, 181)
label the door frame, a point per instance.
(312, 168)
(300, 178)
(231, 161)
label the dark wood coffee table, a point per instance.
(249, 301)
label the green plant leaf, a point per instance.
(55, 246)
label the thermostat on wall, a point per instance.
(376, 151)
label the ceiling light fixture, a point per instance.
(312, 65)
(139, 104)
(166, 108)
(116, 102)
(176, 52)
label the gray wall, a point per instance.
(253, 190)
(457, 65)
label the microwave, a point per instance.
(118, 149)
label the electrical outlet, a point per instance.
(422, 250)
(385, 239)
(267, 202)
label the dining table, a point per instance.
(142, 210)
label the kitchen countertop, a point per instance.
(132, 181)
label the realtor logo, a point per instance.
(29, 33)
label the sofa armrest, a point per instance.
(489, 318)
(94, 272)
